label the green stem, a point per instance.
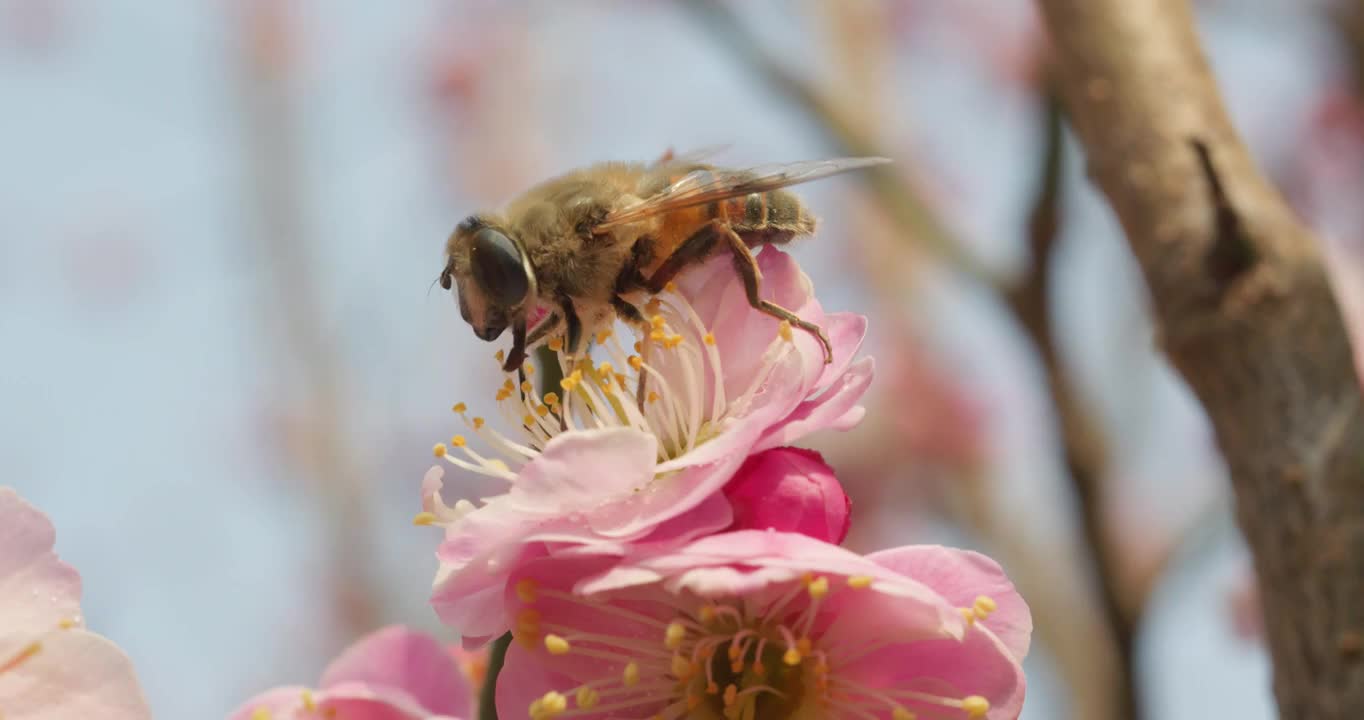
(487, 696)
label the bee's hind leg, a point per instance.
(747, 267)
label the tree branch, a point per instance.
(1248, 319)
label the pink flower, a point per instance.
(391, 674)
(791, 490)
(51, 668)
(759, 624)
(610, 464)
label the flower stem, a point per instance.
(487, 696)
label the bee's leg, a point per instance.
(550, 324)
(627, 311)
(694, 248)
(518, 349)
(574, 333)
(747, 267)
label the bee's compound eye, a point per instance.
(498, 268)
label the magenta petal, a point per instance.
(414, 662)
(790, 490)
(961, 576)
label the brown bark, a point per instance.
(1248, 319)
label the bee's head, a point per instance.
(495, 278)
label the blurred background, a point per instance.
(220, 222)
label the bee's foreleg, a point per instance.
(518, 349)
(627, 311)
(747, 267)
(549, 325)
(573, 341)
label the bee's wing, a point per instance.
(703, 186)
(691, 157)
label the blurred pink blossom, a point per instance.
(51, 667)
(761, 623)
(391, 674)
(724, 382)
(791, 490)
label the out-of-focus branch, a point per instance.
(288, 297)
(897, 197)
(1247, 317)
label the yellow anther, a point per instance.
(639, 346)
(548, 706)
(900, 713)
(653, 396)
(731, 695)
(670, 287)
(658, 336)
(818, 588)
(975, 706)
(261, 713)
(673, 341)
(478, 423)
(530, 369)
(784, 330)
(652, 306)
(791, 657)
(458, 441)
(527, 387)
(657, 322)
(587, 698)
(707, 614)
(604, 335)
(460, 407)
(605, 383)
(556, 645)
(636, 362)
(308, 703)
(67, 623)
(528, 420)
(424, 518)
(500, 355)
(674, 635)
(551, 398)
(984, 605)
(438, 450)
(605, 368)
(736, 667)
(859, 582)
(968, 614)
(759, 668)
(568, 383)
(680, 667)
(508, 385)
(630, 675)
(525, 590)
(503, 394)
(542, 410)
(555, 344)
(709, 339)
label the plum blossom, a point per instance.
(761, 624)
(792, 490)
(391, 674)
(51, 667)
(638, 446)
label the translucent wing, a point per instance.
(708, 185)
(691, 157)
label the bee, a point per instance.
(564, 256)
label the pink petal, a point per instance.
(397, 657)
(524, 680)
(37, 590)
(836, 408)
(790, 490)
(578, 471)
(74, 674)
(961, 576)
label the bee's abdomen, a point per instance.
(771, 217)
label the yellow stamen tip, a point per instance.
(670, 287)
(542, 410)
(639, 346)
(603, 336)
(439, 450)
(636, 362)
(900, 713)
(424, 518)
(552, 398)
(556, 645)
(530, 369)
(500, 356)
(731, 695)
(527, 387)
(261, 713)
(968, 614)
(66, 623)
(587, 698)
(548, 706)
(709, 338)
(859, 582)
(458, 441)
(984, 605)
(657, 322)
(681, 669)
(673, 341)
(460, 407)
(605, 368)
(525, 590)
(759, 669)
(784, 330)
(674, 635)
(653, 396)
(975, 706)
(478, 423)
(658, 336)
(308, 703)
(502, 395)
(707, 614)
(630, 676)
(791, 657)
(555, 344)
(819, 588)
